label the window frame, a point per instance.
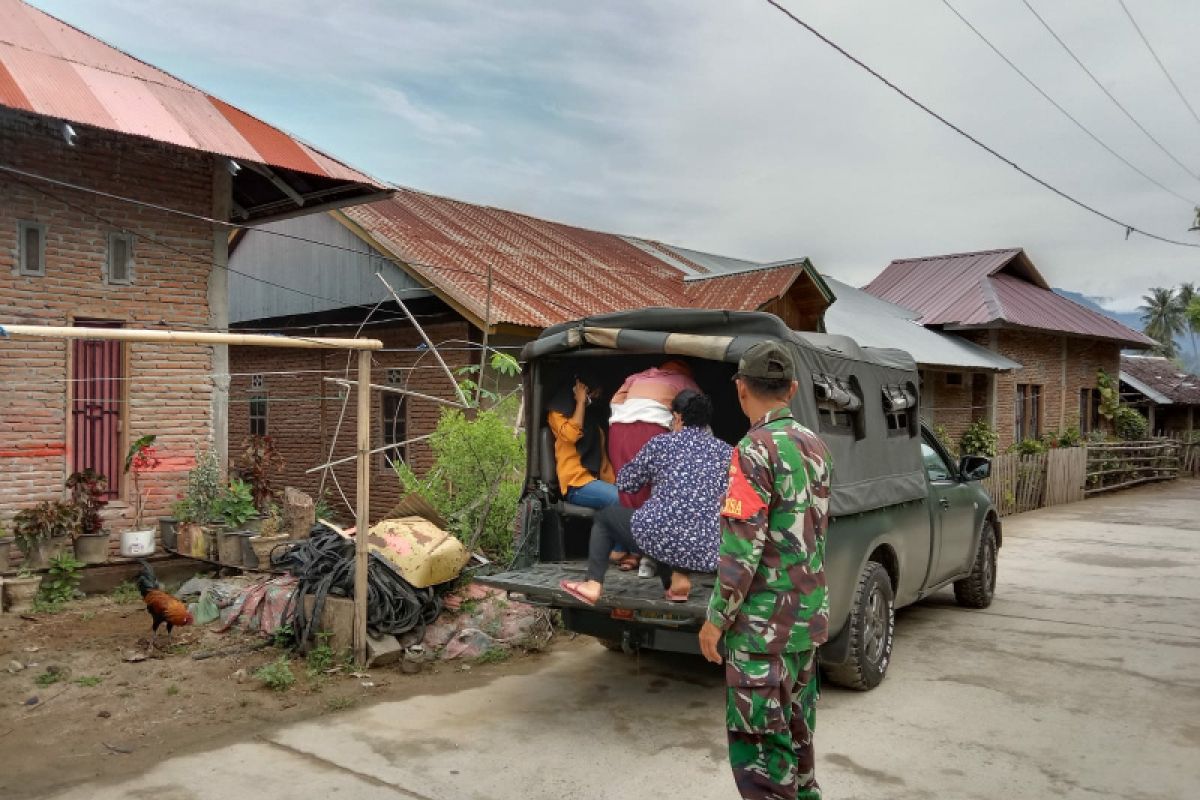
(1027, 419)
(951, 472)
(389, 456)
(129, 239)
(259, 413)
(23, 227)
(958, 379)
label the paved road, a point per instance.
(1081, 681)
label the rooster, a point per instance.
(161, 606)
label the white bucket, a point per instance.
(136, 544)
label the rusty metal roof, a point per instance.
(544, 273)
(52, 69)
(1160, 380)
(992, 288)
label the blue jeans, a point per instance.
(597, 494)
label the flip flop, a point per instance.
(629, 563)
(677, 598)
(570, 588)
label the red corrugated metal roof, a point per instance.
(544, 273)
(51, 68)
(1161, 375)
(991, 288)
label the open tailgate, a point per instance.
(622, 590)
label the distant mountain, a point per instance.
(1130, 319)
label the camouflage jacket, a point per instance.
(770, 595)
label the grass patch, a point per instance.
(89, 680)
(126, 594)
(339, 703)
(284, 637)
(51, 676)
(496, 655)
(42, 605)
(277, 675)
(321, 657)
(172, 690)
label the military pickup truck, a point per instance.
(906, 520)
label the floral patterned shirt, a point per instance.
(688, 472)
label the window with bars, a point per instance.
(258, 416)
(97, 372)
(1028, 412)
(394, 428)
(31, 248)
(119, 269)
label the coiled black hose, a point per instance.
(324, 564)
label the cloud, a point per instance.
(396, 102)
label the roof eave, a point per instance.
(1001, 324)
(1153, 394)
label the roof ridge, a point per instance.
(956, 255)
(735, 273)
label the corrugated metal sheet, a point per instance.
(545, 272)
(877, 323)
(992, 287)
(1162, 378)
(48, 67)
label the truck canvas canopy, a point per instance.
(848, 394)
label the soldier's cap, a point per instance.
(770, 361)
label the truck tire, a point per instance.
(977, 589)
(872, 628)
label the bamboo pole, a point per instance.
(395, 390)
(373, 451)
(363, 512)
(185, 337)
(462, 398)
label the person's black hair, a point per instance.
(693, 407)
(587, 378)
(767, 388)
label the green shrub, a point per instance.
(276, 676)
(1028, 447)
(979, 439)
(61, 582)
(126, 593)
(1129, 424)
(475, 481)
(943, 436)
(235, 504)
(321, 657)
(203, 488)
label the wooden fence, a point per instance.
(1189, 460)
(1022, 483)
(1120, 465)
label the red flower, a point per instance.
(146, 460)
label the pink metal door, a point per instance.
(97, 374)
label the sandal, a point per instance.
(629, 563)
(677, 598)
(572, 588)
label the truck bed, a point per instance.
(622, 590)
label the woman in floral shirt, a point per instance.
(679, 526)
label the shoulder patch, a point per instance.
(741, 500)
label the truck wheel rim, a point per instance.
(989, 569)
(876, 626)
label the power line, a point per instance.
(1062, 110)
(988, 149)
(1159, 61)
(1109, 94)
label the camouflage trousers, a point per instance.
(770, 711)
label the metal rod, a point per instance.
(428, 343)
(363, 511)
(185, 337)
(394, 390)
(376, 451)
(487, 324)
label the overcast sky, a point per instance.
(720, 125)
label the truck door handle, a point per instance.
(943, 502)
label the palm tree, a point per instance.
(1162, 318)
(1187, 297)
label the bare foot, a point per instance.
(587, 591)
(681, 585)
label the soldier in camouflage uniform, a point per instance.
(770, 602)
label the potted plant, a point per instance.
(41, 532)
(195, 509)
(20, 592)
(257, 465)
(140, 459)
(235, 507)
(88, 494)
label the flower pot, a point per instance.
(38, 556)
(168, 532)
(254, 524)
(5, 553)
(19, 593)
(212, 541)
(137, 544)
(91, 548)
(190, 540)
(262, 547)
(230, 547)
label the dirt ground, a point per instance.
(77, 710)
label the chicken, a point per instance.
(162, 607)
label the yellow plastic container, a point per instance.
(423, 553)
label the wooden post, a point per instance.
(363, 512)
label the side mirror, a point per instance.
(974, 468)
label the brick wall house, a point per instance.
(114, 179)
(1166, 395)
(438, 253)
(998, 300)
